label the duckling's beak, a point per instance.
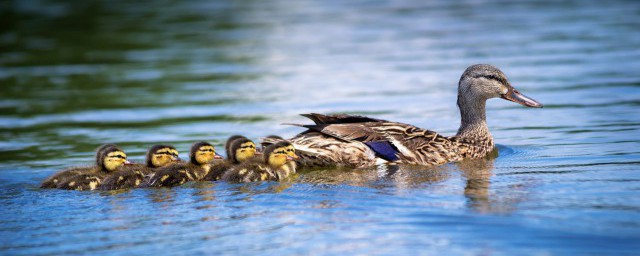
(517, 97)
(258, 153)
(127, 162)
(292, 158)
(176, 159)
(216, 156)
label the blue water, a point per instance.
(565, 179)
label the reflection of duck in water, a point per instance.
(200, 155)
(359, 141)
(478, 189)
(109, 158)
(239, 149)
(133, 175)
(273, 166)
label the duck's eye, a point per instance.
(280, 152)
(207, 150)
(248, 146)
(119, 156)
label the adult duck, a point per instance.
(360, 141)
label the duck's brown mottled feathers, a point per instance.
(339, 118)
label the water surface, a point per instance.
(564, 179)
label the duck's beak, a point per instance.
(127, 162)
(258, 153)
(517, 97)
(177, 159)
(216, 156)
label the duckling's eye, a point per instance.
(119, 156)
(207, 150)
(248, 146)
(280, 152)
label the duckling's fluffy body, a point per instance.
(177, 174)
(130, 176)
(239, 149)
(109, 159)
(272, 167)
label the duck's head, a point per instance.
(202, 152)
(109, 157)
(161, 155)
(241, 149)
(483, 82)
(279, 154)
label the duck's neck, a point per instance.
(474, 119)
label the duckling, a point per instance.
(227, 145)
(291, 151)
(108, 160)
(177, 174)
(239, 149)
(54, 180)
(269, 140)
(273, 166)
(132, 175)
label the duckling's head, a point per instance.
(161, 155)
(481, 82)
(269, 140)
(202, 152)
(279, 154)
(110, 157)
(241, 149)
(230, 141)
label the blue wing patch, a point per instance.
(384, 150)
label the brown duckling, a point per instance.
(273, 166)
(133, 175)
(109, 159)
(196, 169)
(239, 149)
(273, 139)
(53, 180)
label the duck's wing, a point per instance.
(339, 118)
(391, 141)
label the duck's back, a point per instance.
(356, 141)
